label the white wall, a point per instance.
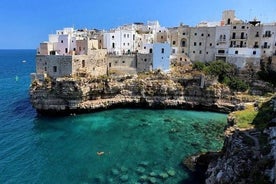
(244, 52)
(161, 60)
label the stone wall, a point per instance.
(144, 62)
(95, 63)
(54, 65)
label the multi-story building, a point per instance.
(142, 47)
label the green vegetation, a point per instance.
(244, 118)
(257, 117)
(266, 73)
(225, 72)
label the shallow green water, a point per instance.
(138, 145)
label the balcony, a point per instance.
(265, 46)
(239, 37)
(267, 35)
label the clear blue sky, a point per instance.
(26, 23)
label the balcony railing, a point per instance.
(267, 35)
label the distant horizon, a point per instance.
(29, 22)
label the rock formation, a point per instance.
(154, 90)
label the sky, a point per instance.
(26, 23)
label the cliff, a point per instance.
(154, 90)
(248, 154)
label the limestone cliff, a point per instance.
(248, 155)
(155, 90)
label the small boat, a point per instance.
(24, 61)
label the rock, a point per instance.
(115, 172)
(152, 180)
(143, 178)
(163, 175)
(124, 178)
(140, 170)
(153, 174)
(144, 163)
(171, 172)
(123, 169)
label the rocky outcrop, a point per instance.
(153, 90)
(248, 156)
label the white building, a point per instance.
(120, 41)
(161, 55)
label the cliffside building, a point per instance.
(142, 47)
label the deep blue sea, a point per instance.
(113, 146)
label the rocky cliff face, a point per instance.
(248, 155)
(155, 90)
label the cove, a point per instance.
(117, 146)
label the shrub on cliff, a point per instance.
(224, 71)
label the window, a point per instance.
(233, 35)
(183, 33)
(45, 69)
(193, 51)
(173, 42)
(66, 50)
(180, 59)
(162, 50)
(145, 60)
(109, 65)
(208, 35)
(243, 27)
(145, 47)
(228, 21)
(124, 44)
(150, 51)
(257, 34)
(127, 35)
(242, 35)
(200, 52)
(173, 51)
(61, 41)
(74, 49)
(112, 36)
(195, 34)
(72, 41)
(194, 43)
(123, 61)
(113, 45)
(124, 35)
(183, 43)
(234, 27)
(236, 52)
(182, 50)
(162, 37)
(211, 44)
(221, 51)
(254, 52)
(207, 53)
(202, 34)
(128, 44)
(54, 68)
(83, 63)
(199, 43)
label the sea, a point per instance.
(111, 146)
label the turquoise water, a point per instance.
(138, 146)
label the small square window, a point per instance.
(236, 52)
(199, 43)
(254, 52)
(195, 34)
(193, 51)
(202, 34)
